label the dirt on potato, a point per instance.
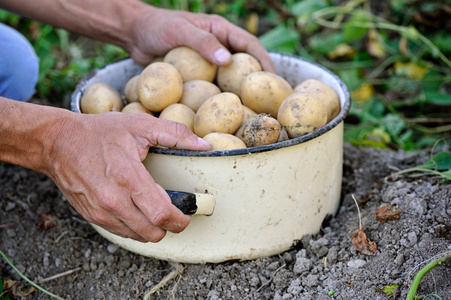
(44, 237)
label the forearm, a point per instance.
(27, 133)
(110, 21)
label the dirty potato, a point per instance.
(263, 92)
(302, 113)
(261, 129)
(220, 113)
(324, 92)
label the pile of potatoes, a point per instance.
(232, 107)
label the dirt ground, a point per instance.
(321, 266)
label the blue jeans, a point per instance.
(19, 65)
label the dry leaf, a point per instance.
(14, 288)
(46, 222)
(387, 212)
(363, 93)
(374, 44)
(362, 243)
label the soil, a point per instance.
(321, 266)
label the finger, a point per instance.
(121, 230)
(214, 33)
(173, 134)
(155, 204)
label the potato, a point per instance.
(159, 85)
(220, 113)
(263, 92)
(190, 64)
(261, 130)
(326, 93)
(224, 141)
(178, 112)
(283, 136)
(100, 97)
(248, 114)
(195, 92)
(135, 107)
(301, 113)
(130, 91)
(230, 77)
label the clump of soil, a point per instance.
(322, 266)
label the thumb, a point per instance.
(173, 134)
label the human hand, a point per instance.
(157, 31)
(97, 164)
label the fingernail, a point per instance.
(204, 142)
(222, 56)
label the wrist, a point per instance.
(28, 133)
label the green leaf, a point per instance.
(307, 7)
(325, 43)
(437, 98)
(281, 38)
(350, 77)
(441, 161)
(394, 124)
(389, 289)
(446, 175)
(443, 42)
(353, 29)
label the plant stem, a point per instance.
(28, 280)
(416, 282)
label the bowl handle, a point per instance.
(193, 203)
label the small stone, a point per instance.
(11, 233)
(112, 248)
(310, 280)
(356, 263)
(302, 265)
(332, 255)
(273, 266)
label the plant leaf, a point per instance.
(437, 98)
(281, 38)
(440, 162)
(352, 29)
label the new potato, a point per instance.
(135, 107)
(159, 85)
(191, 64)
(220, 113)
(100, 97)
(230, 77)
(195, 92)
(325, 93)
(302, 113)
(178, 112)
(263, 92)
(224, 141)
(130, 91)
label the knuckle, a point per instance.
(181, 129)
(107, 203)
(160, 217)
